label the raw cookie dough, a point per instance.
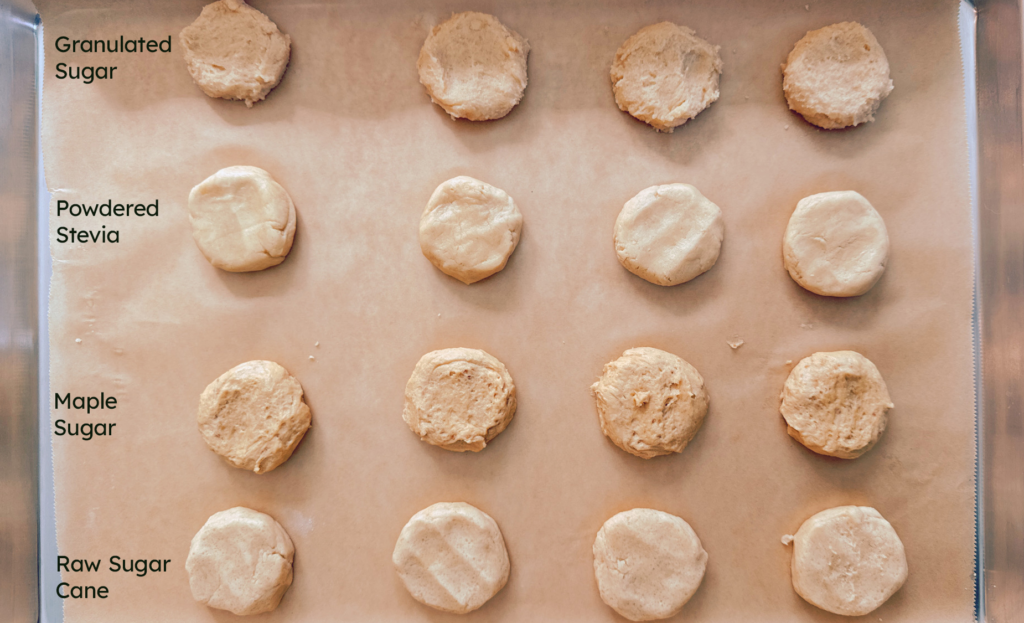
(242, 220)
(837, 76)
(669, 234)
(459, 399)
(835, 403)
(665, 75)
(650, 402)
(848, 560)
(253, 415)
(240, 561)
(233, 51)
(836, 244)
(469, 229)
(451, 557)
(648, 564)
(474, 67)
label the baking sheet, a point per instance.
(354, 139)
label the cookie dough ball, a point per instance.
(474, 67)
(253, 415)
(234, 52)
(837, 76)
(240, 561)
(665, 75)
(836, 244)
(650, 402)
(459, 399)
(242, 220)
(835, 403)
(669, 234)
(451, 557)
(469, 229)
(648, 564)
(848, 560)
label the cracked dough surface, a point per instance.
(650, 403)
(837, 76)
(235, 52)
(669, 234)
(648, 564)
(242, 220)
(848, 560)
(474, 67)
(240, 561)
(253, 415)
(665, 75)
(836, 244)
(836, 403)
(451, 556)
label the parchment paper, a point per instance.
(354, 139)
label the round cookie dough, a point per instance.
(253, 415)
(837, 76)
(648, 564)
(242, 220)
(848, 560)
(836, 403)
(240, 561)
(836, 244)
(234, 52)
(665, 75)
(474, 67)
(669, 234)
(459, 399)
(650, 403)
(469, 229)
(451, 557)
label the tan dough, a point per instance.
(669, 234)
(240, 561)
(836, 403)
(459, 399)
(650, 403)
(474, 67)
(451, 556)
(648, 564)
(837, 76)
(848, 560)
(836, 244)
(242, 220)
(469, 229)
(235, 52)
(665, 75)
(253, 415)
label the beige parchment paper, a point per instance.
(354, 139)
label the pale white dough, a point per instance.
(836, 244)
(837, 76)
(451, 556)
(848, 560)
(240, 561)
(650, 403)
(836, 403)
(669, 234)
(665, 75)
(459, 399)
(253, 415)
(235, 52)
(474, 67)
(648, 564)
(469, 229)
(242, 220)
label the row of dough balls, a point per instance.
(474, 67)
(836, 243)
(451, 556)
